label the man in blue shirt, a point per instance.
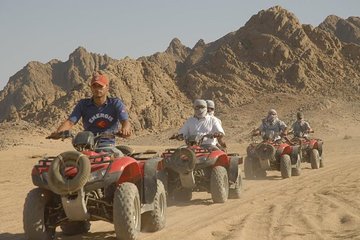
(100, 113)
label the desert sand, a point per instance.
(319, 204)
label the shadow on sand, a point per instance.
(265, 178)
(110, 235)
(205, 202)
(12, 236)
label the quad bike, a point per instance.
(90, 184)
(272, 154)
(311, 150)
(199, 167)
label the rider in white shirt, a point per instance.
(211, 109)
(202, 123)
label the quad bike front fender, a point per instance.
(221, 158)
(127, 168)
(40, 180)
(317, 144)
(282, 150)
(213, 160)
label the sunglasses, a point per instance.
(210, 109)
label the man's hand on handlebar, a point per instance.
(217, 134)
(255, 132)
(59, 135)
(124, 133)
(54, 135)
(177, 136)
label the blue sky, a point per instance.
(41, 30)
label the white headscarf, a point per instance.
(210, 104)
(201, 112)
(272, 116)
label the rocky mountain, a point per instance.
(272, 53)
(347, 30)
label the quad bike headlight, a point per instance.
(97, 175)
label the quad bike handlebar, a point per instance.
(195, 139)
(86, 140)
(291, 131)
(60, 135)
(69, 134)
(176, 136)
(270, 136)
(180, 137)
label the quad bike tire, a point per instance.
(265, 151)
(235, 192)
(75, 227)
(248, 168)
(285, 166)
(252, 169)
(154, 220)
(183, 160)
(296, 171)
(260, 173)
(219, 184)
(59, 183)
(182, 194)
(127, 151)
(127, 212)
(314, 159)
(34, 215)
(321, 161)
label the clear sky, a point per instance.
(41, 30)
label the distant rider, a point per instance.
(301, 128)
(211, 109)
(271, 125)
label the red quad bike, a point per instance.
(92, 184)
(198, 167)
(272, 154)
(311, 150)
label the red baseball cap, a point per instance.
(100, 79)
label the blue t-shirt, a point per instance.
(101, 119)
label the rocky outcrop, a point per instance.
(347, 30)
